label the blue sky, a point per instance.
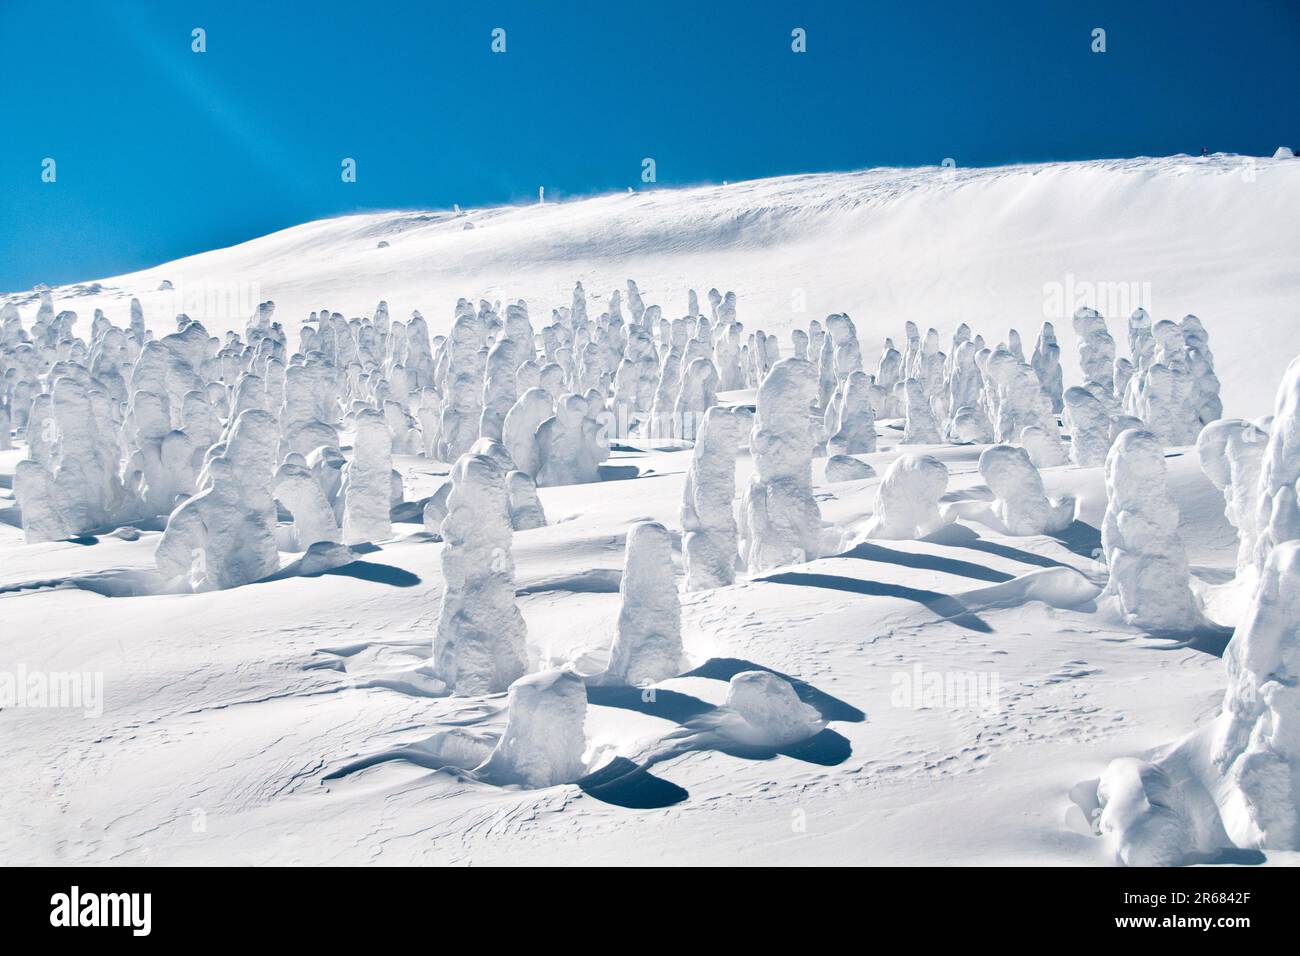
(162, 152)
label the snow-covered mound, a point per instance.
(1009, 245)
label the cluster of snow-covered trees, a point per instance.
(1238, 778)
(242, 448)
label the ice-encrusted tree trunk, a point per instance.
(38, 502)
(1200, 362)
(1231, 452)
(1089, 427)
(525, 507)
(647, 645)
(709, 548)
(499, 393)
(856, 434)
(919, 427)
(301, 494)
(224, 536)
(696, 395)
(462, 408)
(963, 387)
(1046, 362)
(367, 482)
(888, 375)
(1148, 584)
(479, 647)
(1096, 348)
(780, 521)
(519, 432)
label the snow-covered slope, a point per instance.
(296, 719)
(998, 248)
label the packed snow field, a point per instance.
(614, 573)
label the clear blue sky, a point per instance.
(162, 152)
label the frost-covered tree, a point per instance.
(856, 431)
(1255, 749)
(919, 427)
(709, 548)
(888, 376)
(519, 432)
(963, 388)
(569, 445)
(780, 522)
(1231, 452)
(367, 482)
(1148, 584)
(1020, 502)
(1089, 427)
(302, 496)
(647, 645)
(499, 393)
(1277, 517)
(479, 647)
(1046, 362)
(525, 507)
(462, 408)
(907, 501)
(697, 393)
(224, 536)
(1096, 347)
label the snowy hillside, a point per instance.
(366, 590)
(997, 248)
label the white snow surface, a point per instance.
(298, 720)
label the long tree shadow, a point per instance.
(942, 605)
(869, 551)
(1081, 538)
(960, 536)
(376, 573)
(656, 702)
(623, 783)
